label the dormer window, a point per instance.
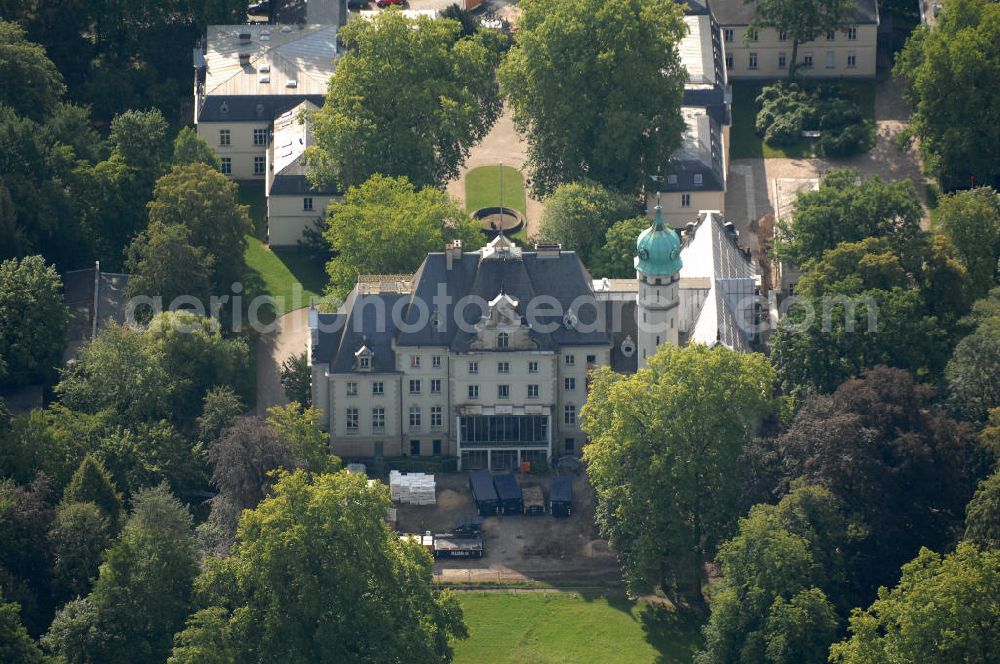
(363, 359)
(503, 341)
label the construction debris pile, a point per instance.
(412, 488)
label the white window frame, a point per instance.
(378, 419)
(685, 200)
(728, 35)
(414, 417)
(260, 136)
(226, 165)
(782, 60)
(533, 391)
(436, 361)
(569, 414)
(437, 417)
(852, 60)
(473, 367)
(752, 61)
(503, 391)
(435, 386)
(503, 367)
(852, 33)
(378, 388)
(259, 165)
(473, 391)
(307, 204)
(352, 388)
(532, 367)
(569, 383)
(225, 137)
(415, 386)
(351, 419)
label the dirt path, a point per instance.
(289, 338)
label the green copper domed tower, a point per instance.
(657, 268)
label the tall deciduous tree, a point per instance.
(615, 257)
(205, 201)
(596, 86)
(29, 82)
(973, 372)
(143, 593)
(971, 220)
(78, 537)
(955, 111)
(387, 226)
(664, 459)
(16, 645)
(316, 575)
(945, 609)
(848, 209)
(772, 604)
(409, 98)
(296, 379)
(803, 20)
(33, 321)
(903, 471)
(578, 216)
(163, 263)
(190, 148)
(982, 515)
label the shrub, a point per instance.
(786, 110)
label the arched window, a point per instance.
(503, 341)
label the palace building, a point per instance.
(485, 355)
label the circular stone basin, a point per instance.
(495, 219)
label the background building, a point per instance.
(765, 54)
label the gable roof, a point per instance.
(292, 134)
(712, 255)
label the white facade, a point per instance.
(657, 300)
(849, 53)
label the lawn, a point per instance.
(548, 628)
(482, 188)
(275, 273)
(744, 143)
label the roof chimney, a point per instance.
(548, 249)
(452, 251)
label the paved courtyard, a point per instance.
(751, 196)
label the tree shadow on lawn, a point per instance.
(676, 636)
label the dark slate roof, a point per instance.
(738, 12)
(295, 185)
(627, 328)
(694, 7)
(685, 170)
(522, 276)
(250, 108)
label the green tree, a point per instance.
(190, 148)
(867, 303)
(944, 70)
(316, 575)
(29, 81)
(140, 138)
(143, 593)
(663, 459)
(33, 321)
(801, 629)
(409, 98)
(847, 209)
(945, 609)
(25, 558)
(615, 258)
(78, 536)
(16, 645)
(772, 604)
(206, 639)
(982, 515)
(296, 379)
(596, 87)
(221, 406)
(163, 263)
(92, 483)
(971, 220)
(205, 201)
(973, 372)
(300, 429)
(578, 216)
(903, 471)
(803, 20)
(162, 372)
(387, 226)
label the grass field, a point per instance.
(482, 188)
(275, 271)
(744, 143)
(551, 628)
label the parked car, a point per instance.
(261, 7)
(388, 3)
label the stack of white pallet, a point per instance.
(412, 488)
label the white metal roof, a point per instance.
(269, 59)
(696, 50)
